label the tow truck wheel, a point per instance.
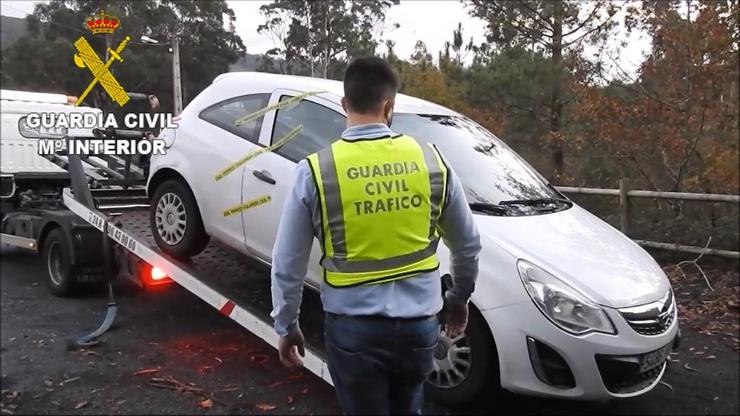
(61, 274)
(175, 219)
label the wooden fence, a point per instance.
(625, 194)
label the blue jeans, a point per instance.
(378, 366)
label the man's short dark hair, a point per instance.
(368, 82)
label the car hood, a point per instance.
(581, 250)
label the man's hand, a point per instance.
(153, 102)
(290, 346)
(454, 318)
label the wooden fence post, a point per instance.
(624, 206)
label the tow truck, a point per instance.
(98, 230)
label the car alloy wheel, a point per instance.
(170, 218)
(452, 362)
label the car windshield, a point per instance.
(490, 171)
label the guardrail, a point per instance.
(625, 193)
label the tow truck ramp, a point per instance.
(109, 194)
(208, 275)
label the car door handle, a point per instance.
(264, 175)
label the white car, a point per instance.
(564, 306)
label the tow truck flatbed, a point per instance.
(106, 196)
(235, 285)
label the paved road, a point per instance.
(183, 339)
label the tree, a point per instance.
(421, 57)
(42, 61)
(556, 28)
(457, 46)
(678, 122)
(319, 37)
(421, 78)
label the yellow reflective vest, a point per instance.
(380, 201)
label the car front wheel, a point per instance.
(176, 223)
(464, 366)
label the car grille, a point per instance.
(622, 377)
(653, 318)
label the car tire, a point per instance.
(61, 278)
(483, 375)
(175, 219)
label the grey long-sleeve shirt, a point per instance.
(406, 298)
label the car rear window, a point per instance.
(225, 114)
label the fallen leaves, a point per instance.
(205, 404)
(8, 401)
(259, 358)
(206, 370)
(81, 404)
(290, 378)
(276, 384)
(265, 407)
(712, 313)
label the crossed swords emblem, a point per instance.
(86, 57)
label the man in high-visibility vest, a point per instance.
(378, 202)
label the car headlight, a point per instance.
(563, 305)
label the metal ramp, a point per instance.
(109, 193)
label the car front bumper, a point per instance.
(601, 366)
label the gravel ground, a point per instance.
(171, 353)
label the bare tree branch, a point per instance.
(591, 15)
(543, 21)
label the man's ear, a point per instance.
(388, 107)
(344, 105)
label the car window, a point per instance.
(489, 170)
(226, 113)
(321, 127)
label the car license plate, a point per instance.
(654, 359)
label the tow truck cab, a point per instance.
(25, 176)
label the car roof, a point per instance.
(334, 90)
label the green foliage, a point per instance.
(318, 38)
(558, 29)
(43, 62)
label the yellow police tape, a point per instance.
(249, 204)
(254, 153)
(277, 106)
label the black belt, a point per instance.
(381, 317)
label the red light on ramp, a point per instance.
(153, 276)
(157, 274)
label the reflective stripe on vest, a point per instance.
(380, 201)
